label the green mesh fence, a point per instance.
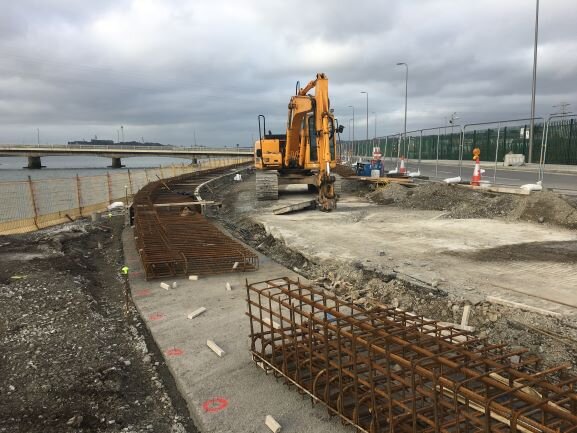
(561, 143)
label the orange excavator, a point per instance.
(307, 153)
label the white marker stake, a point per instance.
(165, 286)
(193, 277)
(466, 315)
(272, 424)
(228, 287)
(196, 313)
(235, 265)
(174, 285)
(215, 348)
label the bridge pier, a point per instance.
(34, 162)
(116, 163)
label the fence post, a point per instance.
(79, 194)
(161, 173)
(130, 184)
(497, 154)
(109, 187)
(34, 207)
(146, 175)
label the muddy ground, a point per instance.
(553, 339)
(70, 358)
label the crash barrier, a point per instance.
(30, 205)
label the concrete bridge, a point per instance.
(116, 152)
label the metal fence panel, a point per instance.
(34, 204)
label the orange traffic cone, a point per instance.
(403, 169)
(476, 179)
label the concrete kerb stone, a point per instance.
(202, 185)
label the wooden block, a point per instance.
(165, 286)
(196, 312)
(174, 285)
(215, 348)
(272, 424)
(193, 277)
(466, 315)
(228, 287)
(235, 265)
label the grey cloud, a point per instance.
(165, 69)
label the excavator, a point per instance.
(307, 153)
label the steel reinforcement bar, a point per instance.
(387, 370)
(174, 239)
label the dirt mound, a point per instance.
(540, 207)
(457, 202)
(547, 207)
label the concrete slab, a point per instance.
(228, 394)
(489, 256)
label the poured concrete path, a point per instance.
(228, 394)
(518, 262)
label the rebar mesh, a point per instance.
(387, 370)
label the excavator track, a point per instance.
(267, 185)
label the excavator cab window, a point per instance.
(313, 139)
(332, 137)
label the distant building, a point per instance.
(93, 142)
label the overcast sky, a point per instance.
(165, 69)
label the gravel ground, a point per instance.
(70, 358)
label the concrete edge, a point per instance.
(126, 245)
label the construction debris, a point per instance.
(165, 286)
(388, 370)
(309, 204)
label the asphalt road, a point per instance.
(505, 175)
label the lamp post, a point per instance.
(406, 89)
(353, 144)
(349, 136)
(534, 86)
(452, 123)
(367, 94)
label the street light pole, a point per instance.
(406, 93)
(534, 86)
(353, 144)
(375, 115)
(367, 94)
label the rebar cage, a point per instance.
(386, 370)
